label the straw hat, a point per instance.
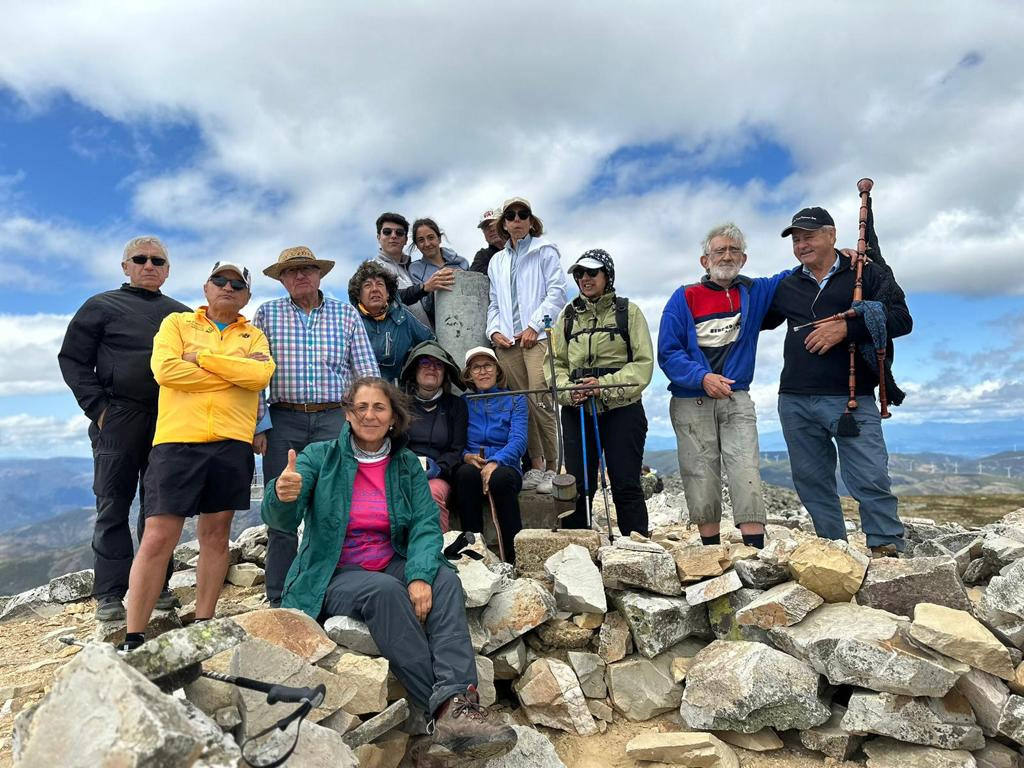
(299, 256)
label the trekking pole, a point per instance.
(494, 519)
(601, 468)
(554, 394)
(586, 481)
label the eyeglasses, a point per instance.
(727, 249)
(236, 285)
(481, 368)
(304, 269)
(581, 271)
(389, 231)
(523, 214)
(429, 362)
(158, 261)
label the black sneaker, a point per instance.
(110, 609)
(167, 601)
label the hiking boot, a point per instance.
(463, 736)
(885, 550)
(532, 479)
(167, 601)
(546, 485)
(110, 609)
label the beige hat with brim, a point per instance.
(299, 256)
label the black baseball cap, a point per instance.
(809, 218)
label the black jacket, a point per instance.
(107, 348)
(797, 300)
(483, 259)
(440, 434)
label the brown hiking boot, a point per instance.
(462, 735)
(885, 550)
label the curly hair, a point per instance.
(370, 269)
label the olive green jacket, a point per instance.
(328, 472)
(603, 350)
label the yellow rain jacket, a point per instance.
(215, 398)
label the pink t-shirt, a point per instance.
(368, 537)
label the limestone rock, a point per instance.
(341, 722)
(352, 634)
(289, 629)
(114, 631)
(962, 637)
(641, 689)
(760, 574)
(560, 633)
(479, 583)
(31, 604)
(614, 640)
(589, 669)
(391, 718)
(777, 551)
(996, 755)
(260, 660)
(183, 579)
(781, 606)
(854, 645)
(722, 617)
(765, 740)
(705, 591)
(697, 562)
(987, 695)
(682, 748)
(657, 623)
(946, 722)
(245, 575)
(833, 569)
(131, 723)
(830, 738)
(71, 586)
(514, 612)
(535, 545)
(180, 648)
(646, 569)
(369, 677)
(897, 585)
(532, 750)
(742, 686)
(588, 620)
(1011, 719)
(578, 586)
(550, 695)
(1005, 593)
(485, 681)
(385, 753)
(887, 753)
(509, 661)
(317, 747)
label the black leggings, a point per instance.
(469, 500)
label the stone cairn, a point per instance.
(912, 662)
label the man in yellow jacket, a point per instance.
(211, 365)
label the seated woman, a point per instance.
(495, 443)
(392, 329)
(372, 551)
(438, 430)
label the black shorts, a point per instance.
(188, 479)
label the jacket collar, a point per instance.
(344, 442)
(739, 280)
(140, 291)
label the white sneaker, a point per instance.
(547, 484)
(532, 479)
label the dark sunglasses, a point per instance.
(236, 285)
(522, 213)
(581, 271)
(158, 261)
(388, 232)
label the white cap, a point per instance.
(223, 266)
(480, 351)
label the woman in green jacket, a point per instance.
(371, 550)
(601, 340)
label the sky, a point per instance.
(233, 130)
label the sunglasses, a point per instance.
(236, 285)
(429, 362)
(523, 214)
(389, 231)
(581, 271)
(158, 261)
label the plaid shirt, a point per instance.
(318, 355)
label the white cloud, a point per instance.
(24, 435)
(28, 357)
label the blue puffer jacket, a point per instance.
(498, 425)
(393, 337)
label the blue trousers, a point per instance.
(434, 661)
(809, 425)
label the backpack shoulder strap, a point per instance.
(622, 323)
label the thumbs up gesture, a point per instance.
(289, 482)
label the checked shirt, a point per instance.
(317, 355)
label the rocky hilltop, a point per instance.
(602, 653)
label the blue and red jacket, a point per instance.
(736, 312)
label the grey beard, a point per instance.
(722, 273)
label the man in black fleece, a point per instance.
(813, 390)
(494, 236)
(105, 360)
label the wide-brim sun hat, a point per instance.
(299, 256)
